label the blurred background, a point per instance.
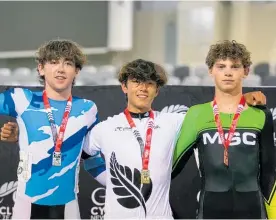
(176, 34)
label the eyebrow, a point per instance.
(69, 60)
(237, 64)
(234, 64)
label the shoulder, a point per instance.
(20, 95)
(84, 104)
(20, 92)
(198, 109)
(110, 122)
(201, 107)
(260, 113)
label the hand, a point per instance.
(9, 132)
(255, 98)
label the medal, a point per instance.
(145, 177)
(145, 149)
(226, 141)
(56, 159)
(57, 137)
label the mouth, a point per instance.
(228, 81)
(142, 96)
(60, 77)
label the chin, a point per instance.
(228, 89)
(143, 108)
(60, 88)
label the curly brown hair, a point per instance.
(228, 50)
(56, 49)
(142, 71)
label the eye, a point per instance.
(69, 63)
(136, 81)
(219, 66)
(53, 62)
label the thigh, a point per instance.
(217, 205)
(39, 211)
(248, 205)
(57, 212)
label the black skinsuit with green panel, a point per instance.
(246, 186)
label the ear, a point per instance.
(124, 88)
(40, 69)
(77, 71)
(157, 91)
(210, 71)
(246, 72)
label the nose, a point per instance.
(61, 67)
(143, 86)
(228, 72)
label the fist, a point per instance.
(9, 132)
(255, 98)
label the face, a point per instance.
(228, 75)
(59, 74)
(140, 95)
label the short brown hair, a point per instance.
(228, 50)
(143, 70)
(56, 49)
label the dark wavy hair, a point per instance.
(228, 50)
(56, 49)
(142, 71)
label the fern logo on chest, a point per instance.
(127, 185)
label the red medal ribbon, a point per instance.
(58, 138)
(226, 142)
(146, 151)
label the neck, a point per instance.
(137, 110)
(58, 95)
(228, 102)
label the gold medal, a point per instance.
(145, 177)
